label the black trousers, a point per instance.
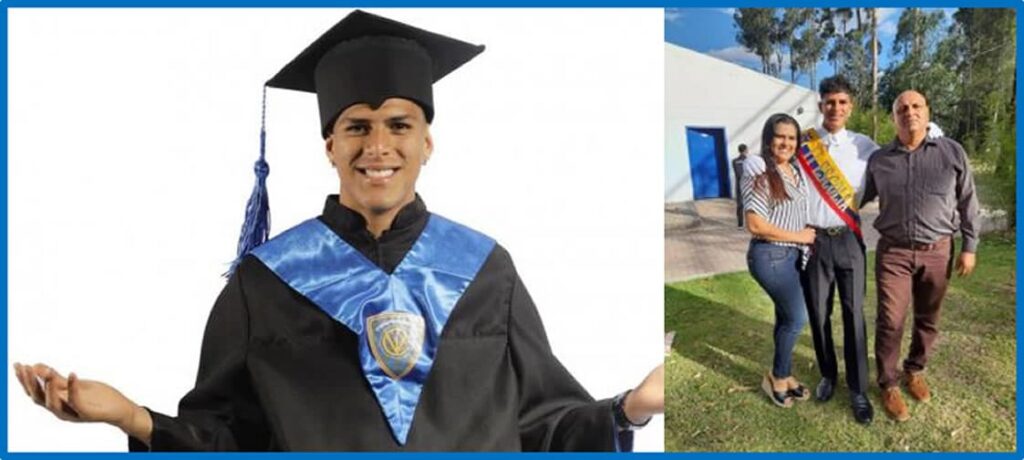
(838, 264)
(739, 203)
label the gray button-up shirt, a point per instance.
(920, 192)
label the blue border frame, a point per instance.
(492, 3)
(5, 372)
(1020, 178)
(5, 4)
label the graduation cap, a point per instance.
(364, 58)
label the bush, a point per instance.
(995, 169)
(861, 122)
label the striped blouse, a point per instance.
(790, 215)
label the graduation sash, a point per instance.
(828, 179)
(398, 317)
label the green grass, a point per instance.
(723, 347)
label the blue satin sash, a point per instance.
(423, 289)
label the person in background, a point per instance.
(737, 169)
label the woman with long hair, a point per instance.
(774, 200)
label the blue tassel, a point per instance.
(256, 228)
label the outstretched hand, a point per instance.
(648, 398)
(78, 400)
(47, 388)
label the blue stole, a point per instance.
(399, 317)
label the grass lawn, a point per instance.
(723, 347)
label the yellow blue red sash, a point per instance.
(828, 179)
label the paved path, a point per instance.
(702, 238)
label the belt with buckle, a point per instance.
(916, 246)
(832, 231)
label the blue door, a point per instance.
(708, 162)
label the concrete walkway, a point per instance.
(702, 238)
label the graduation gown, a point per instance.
(278, 374)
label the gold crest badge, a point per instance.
(396, 340)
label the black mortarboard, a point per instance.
(364, 58)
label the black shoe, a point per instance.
(862, 410)
(824, 390)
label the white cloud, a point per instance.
(726, 11)
(737, 55)
(673, 14)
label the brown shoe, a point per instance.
(892, 400)
(917, 387)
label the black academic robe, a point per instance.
(277, 373)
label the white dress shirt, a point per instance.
(850, 151)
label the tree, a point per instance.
(916, 64)
(874, 72)
(916, 32)
(982, 48)
(794, 20)
(809, 47)
(839, 39)
(756, 28)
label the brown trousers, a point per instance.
(902, 273)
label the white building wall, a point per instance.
(703, 91)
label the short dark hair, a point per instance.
(835, 84)
(743, 148)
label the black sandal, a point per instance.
(800, 393)
(779, 398)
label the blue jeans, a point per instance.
(776, 269)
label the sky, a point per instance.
(712, 31)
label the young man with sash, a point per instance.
(377, 325)
(834, 159)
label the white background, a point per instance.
(132, 137)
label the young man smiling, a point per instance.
(378, 155)
(834, 159)
(377, 325)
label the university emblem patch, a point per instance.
(396, 340)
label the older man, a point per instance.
(377, 325)
(921, 184)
